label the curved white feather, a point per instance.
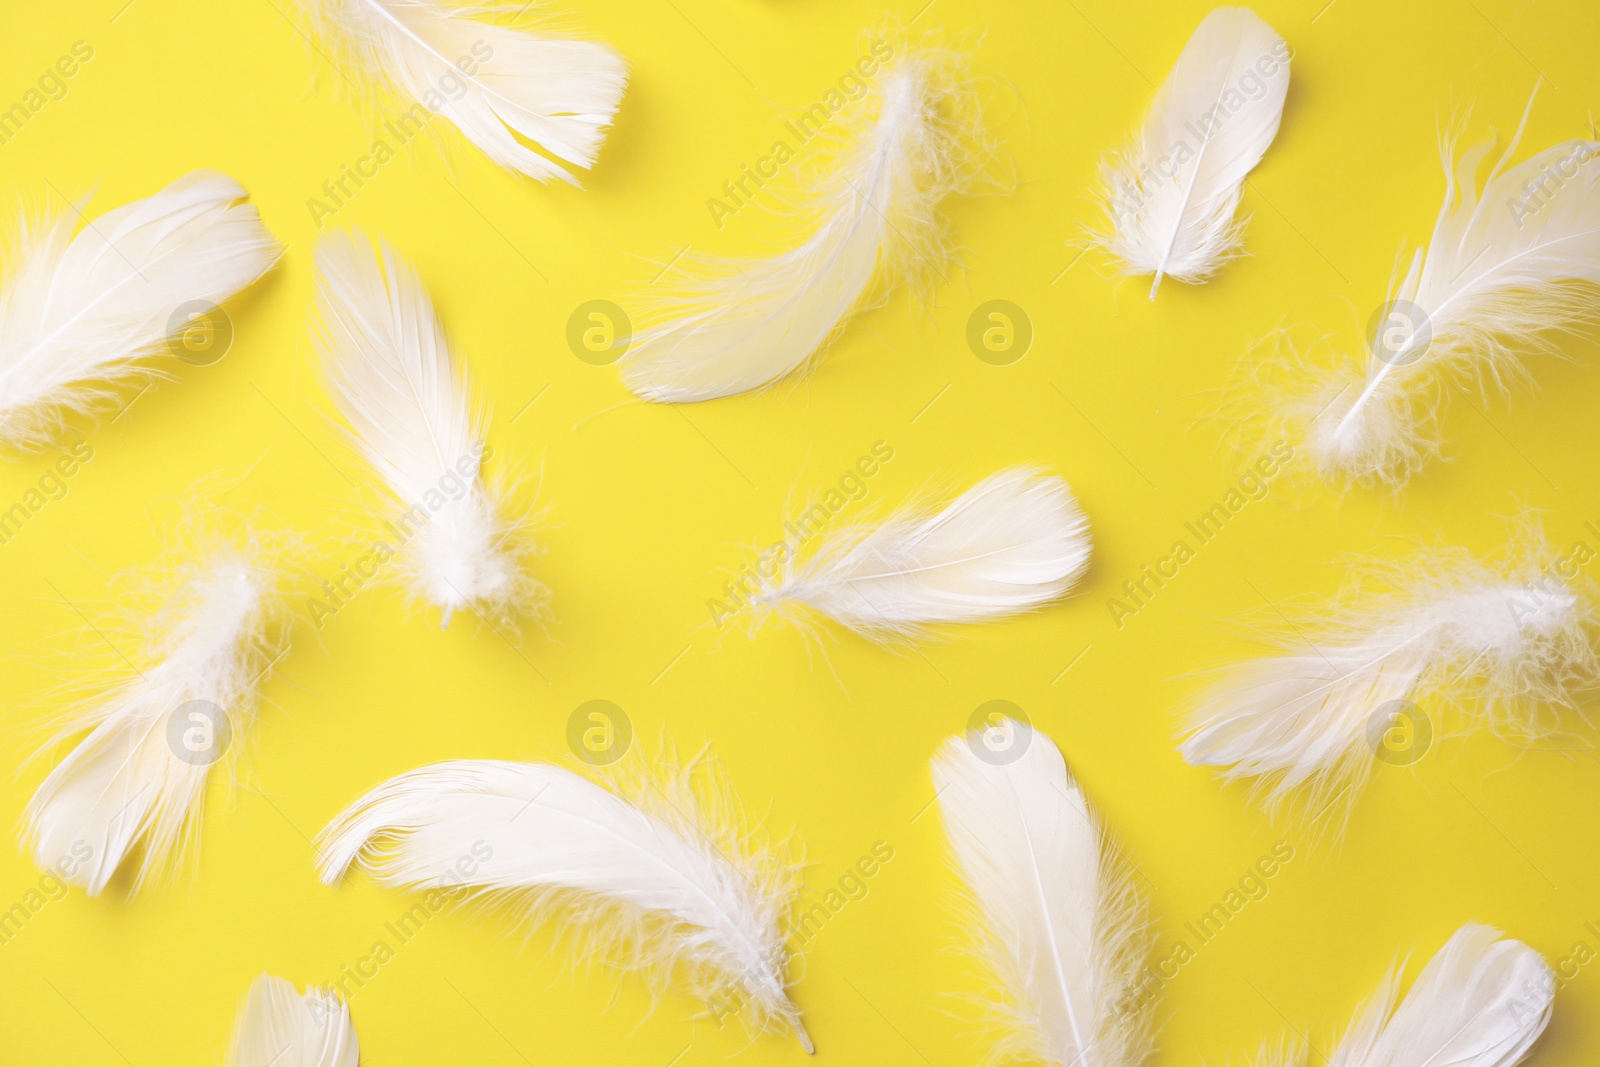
(137, 780)
(388, 367)
(501, 86)
(1507, 267)
(1173, 195)
(1009, 544)
(78, 311)
(1505, 637)
(1051, 909)
(280, 1027)
(666, 891)
(745, 324)
(1482, 1001)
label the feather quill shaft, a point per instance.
(388, 367)
(504, 88)
(1050, 905)
(1172, 196)
(657, 881)
(280, 1027)
(1011, 543)
(741, 325)
(80, 311)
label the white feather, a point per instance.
(1482, 1001)
(660, 881)
(1508, 638)
(1051, 907)
(1009, 544)
(1173, 195)
(283, 1028)
(388, 367)
(124, 786)
(501, 86)
(1505, 269)
(740, 325)
(79, 312)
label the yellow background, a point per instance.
(647, 508)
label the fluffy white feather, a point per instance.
(742, 324)
(1505, 639)
(1482, 1001)
(283, 1028)
(137, 780)
(1507, 268)
(658, 880)
(1051, 908)
(80, 311)
(388, 367)
(504, 88)
(1009, 544)
(1172, 196)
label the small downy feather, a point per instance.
(80, 312)
(1507, 269)
(280, 1027)
(388, 367)
(1506, 639)
(739, 325)
(1050, 905)
(1172, 196)
(1482, 1001)
(506, 89)
(655, 878)
(137, 779)
(1011, 543)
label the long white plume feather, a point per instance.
(388, 367)
(660, 880)
(1172, 196)
(1009, 544)
(283, 1028)
(1482, 1001)
(743, 324)
(1052, 909)
(1508, 637)
(80, 311)
(503, 87)
(1507, 268)
(138, 779)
